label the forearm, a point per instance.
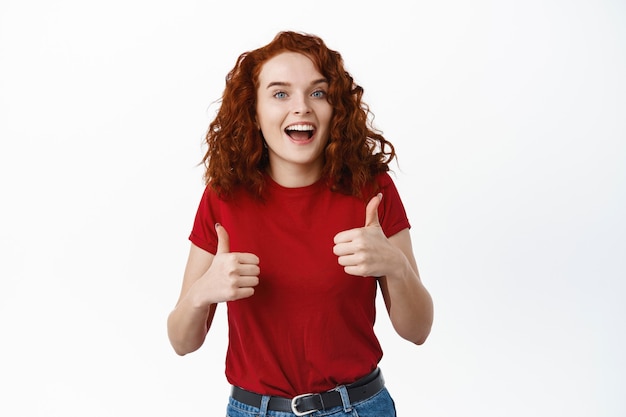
(409, 304)
(188, 324)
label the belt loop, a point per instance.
(265, 401)
(345, 398)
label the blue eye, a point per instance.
(319, 94)
(280, 94)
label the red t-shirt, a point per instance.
(309, 325)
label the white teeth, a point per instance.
(301, 128)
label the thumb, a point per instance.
(371, 211)
(223, 241)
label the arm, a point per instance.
(366, 252)
(209, 279)
(189, 322)
(408, 303)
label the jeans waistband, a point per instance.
(304, 404)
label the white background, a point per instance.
(509, 120)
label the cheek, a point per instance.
(266, 122)
(327, 118)
(269, 115)
(327, 110)
(270, 129)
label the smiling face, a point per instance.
(294, 116)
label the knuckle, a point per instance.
(231, 293)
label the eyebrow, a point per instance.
(286, 84)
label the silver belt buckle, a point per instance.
(295, 409)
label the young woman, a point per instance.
(299, 224)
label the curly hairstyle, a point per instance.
(236, 156)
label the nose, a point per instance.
(301, 105)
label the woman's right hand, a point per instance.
(231, 276)
(209, 279)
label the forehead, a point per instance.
(289, 67)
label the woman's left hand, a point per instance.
(366, 251)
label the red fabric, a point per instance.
(309, 325)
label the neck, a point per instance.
(293, 176)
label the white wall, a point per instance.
(508, 117)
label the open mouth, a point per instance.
(300, 132)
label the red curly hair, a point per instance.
(236, 155)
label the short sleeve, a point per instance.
(391, 212)
(203, 232)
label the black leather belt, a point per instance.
(304, 404)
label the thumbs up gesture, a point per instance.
(365, 251)
(232, 275)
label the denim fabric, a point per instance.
(379, 405)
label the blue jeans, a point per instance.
(379, 405)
